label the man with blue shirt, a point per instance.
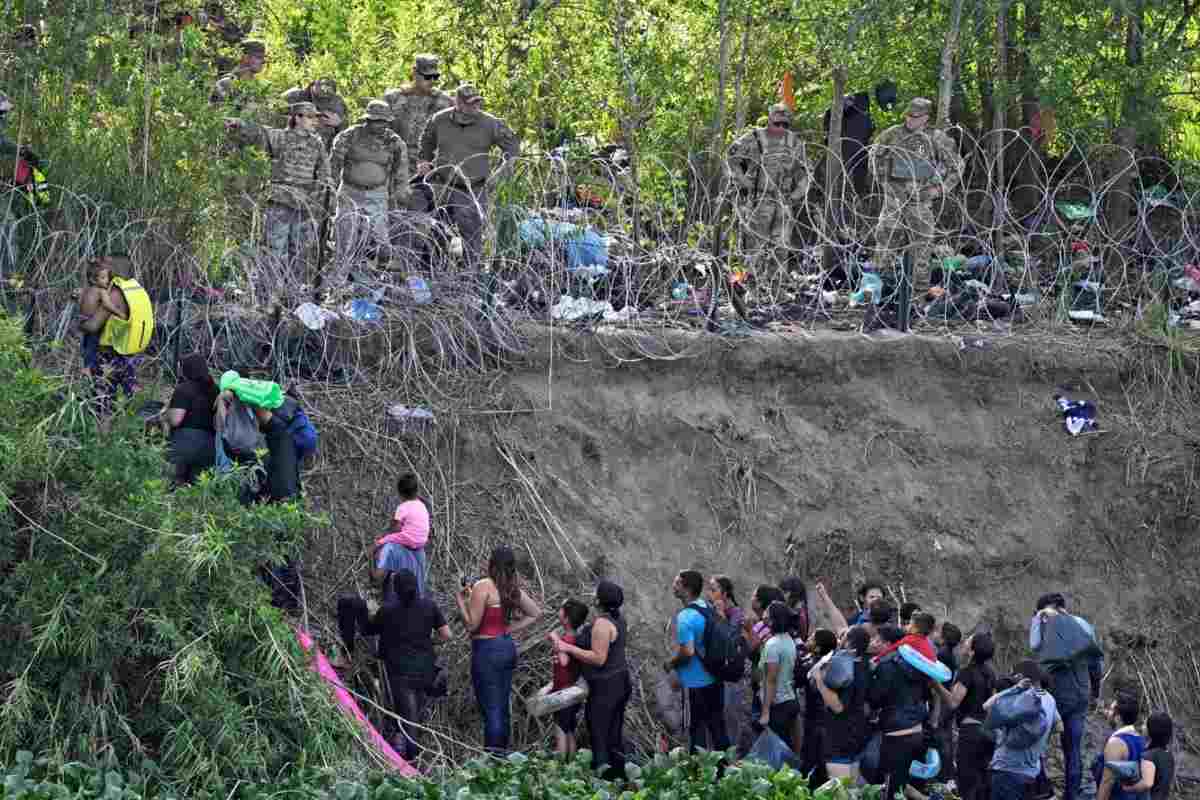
(1074, 685)
(1014, 769)
(705, 694)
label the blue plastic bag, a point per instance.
(773, 751)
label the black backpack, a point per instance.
(725, 649)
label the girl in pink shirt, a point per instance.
(410, 523)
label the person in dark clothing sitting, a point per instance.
(898, 692)
(188, 421)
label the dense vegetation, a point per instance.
(132, 624)
(666, 777)
(124, 117)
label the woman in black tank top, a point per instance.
(601, 654)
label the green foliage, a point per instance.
(134, 624)
(674, 777)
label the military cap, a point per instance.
(254, 47)
(294, 95)
(379, 111)
(919, 106)
(427, 63)
(467, 93)
(779, 110)
(303, 108)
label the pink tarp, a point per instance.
(344, 699)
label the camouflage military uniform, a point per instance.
(328, 101)
(231, 88)
(371, 163)
(412, 109)
(770, 170)
(907, 164)
(299, 175)
(459, 145)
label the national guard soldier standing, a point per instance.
(299, 177)
(769, 169)
(370, 162)
(415, 103)
(322, 93)
(229, 88)
(915, 166)
(455, 152)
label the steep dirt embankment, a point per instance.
(945, 471)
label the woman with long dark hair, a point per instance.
(494, 608)
(846, 720)
(406, 624)
(188, 420)
(601, 654)
(777, 666)
(721, 597)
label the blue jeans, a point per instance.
(1009, 785)
(1072, 746)
(492, 665)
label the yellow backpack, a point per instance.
(130, 337)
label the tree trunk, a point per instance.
(716, 150)
(739, 101)
(999, 117)
(949, 56)
(1027, 153)
(833, 163)
(1119, 200)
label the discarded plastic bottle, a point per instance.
(679, 290)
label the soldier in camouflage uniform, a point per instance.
(370, 163)
(915, 166)
(323, 94)
(299, 178)
(456, 148)
(230, 89)
(415, 103)
(769, 168)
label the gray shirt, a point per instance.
(781, 649)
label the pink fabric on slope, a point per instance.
(344, 699)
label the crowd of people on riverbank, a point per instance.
(869, 698)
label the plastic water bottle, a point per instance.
(679, 290)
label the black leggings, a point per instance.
(409, 704)
(896, 755)
(353, 615)
(975, 749)
(605, 713)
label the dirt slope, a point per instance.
(939, 467)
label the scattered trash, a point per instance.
(313, 316)
(1086, 304)
(419, 290)
(572, 308)
(1075, 212)
(871, 283)
(362, 310)
(974, 343)
(410, 418)
(1079, 416)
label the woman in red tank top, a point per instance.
(493, 609)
